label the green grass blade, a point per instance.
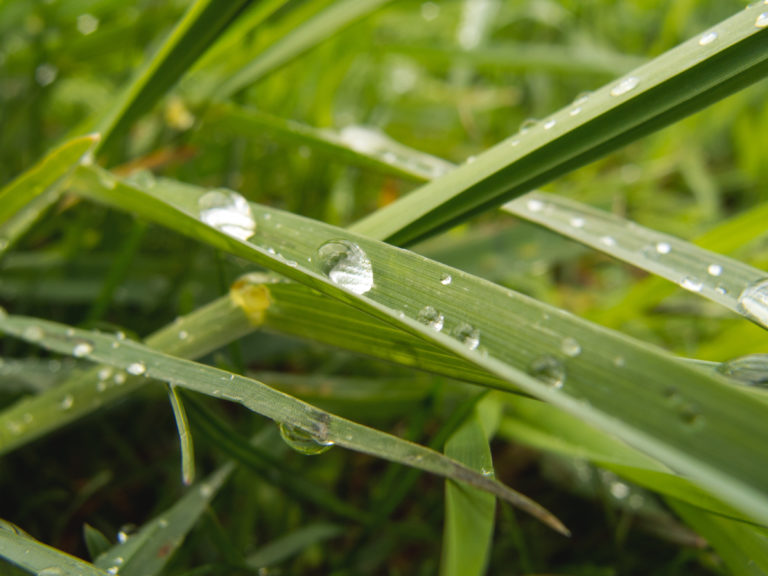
(320, 427)
(291, 544)
(203, 23)
(318, 28)
(148, 551)
(685, 417)
(672, 86)
(732, 284)
(23, 200)
(185, 436)
(21, 549)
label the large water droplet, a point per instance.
(347, 265)
(625, 86)
(467, 335)
(692, 284)
(751, 370)
(762, 20)
(708, 38)
(136, 368)
(549, 370)
(228, 212)
(82, 349)
(570, 347)
(753, 302)
(431, 317)
(302, 441)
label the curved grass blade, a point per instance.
(28, 196)
(324, 428)
(185, 436)
(687, 418)
(148, 551)
(203, 23)
(732, 284)
(681, 81)
(24, 551)
(318, 28)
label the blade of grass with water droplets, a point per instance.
(28, 196)
(24, 551)
(732, 284)
(672, 86)
(324, 428)
(689, 419)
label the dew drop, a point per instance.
(528, 124)
(446, 279)
(33, 333)
(619, 490)
(753, 302)
(627, 84)
(534, 205)
(124, 535)
(751, 370)
(119, 378)
(346, 265)
(575, 111)
(302, 441)
(609, 241)
(431, 317)
(663, 248)
(113, 570)
(82, 349)
(714, 270)
(690, 283)
(206, 490)
(549, 124)
(228, 212)
(487, 472)
(582, 98)
(120, 335)
(570, 347)
(136, 368)
(183, 334)
(67, 402)
(577, 222)
(707, 38)
(762, 20)
(721, 289)
(549, 370)
(467, 335)
(105, 373)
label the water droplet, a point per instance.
(608, 241)
(514, 143)
(446, 279)
(708, 38)
(302, 441)
(346, 265)
(619, 490)
(125, 532)
(751, 370)
(119, 378)
(228, 212)
(82, 349)
(206, 490)
(120, 335)
(113, 570)
(577, 222)
(762, 20)
(663, 248)
(627, 84)
(105, 373)
(575, 111)
(570, 347)
(549, 370)
(528, 124)
(67, 402)
(432, 318)
(619, 361)
(136, 368)
(488, 472)
(714, 270)
(33, 333)
(183, 334)
(691, 283)
(45, 74)
(720, 289)
(534, 205)
(549, 124)
(467, 335)
(582, 99)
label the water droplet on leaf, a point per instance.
(570, 347)
(431, 317)
(346, 265)
(690, 283)
(467, 335)
(446, 279)
(82, 349)
(762, 20)
(751, 370)
(627, 84)
(67, 402)
(663, 248)
(549, 370)
(136, 368)
(302, 441)
(708, 38)
(228, 212)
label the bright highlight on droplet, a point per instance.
(82, 349)
(714, 270)
(663, 248)
(627, 84)
(136, 368)
(708, 38)
(691, 284)
(535, 205)
(549, 124)
(446, 279)
(762, 20)
(753, 302)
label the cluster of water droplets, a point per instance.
(228, 212)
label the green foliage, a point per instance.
(234, 241)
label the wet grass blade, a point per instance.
(689, 419)
(311, 424)
(732, 284)
(185, 436)
(28, 196)
(701, 71)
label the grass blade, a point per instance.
(321, 427)
(672, 86)
(185, 436)
(282, 549)
(730, 283)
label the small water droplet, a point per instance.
(619, 361)
(577, 222)
(183, 334)
(33, 333)
(528, 124)
(708, 38)
(105, 373)
(690, 283)
(582, 98)
(549, 124)
(762, 20)
(488, 472)
(751, 370)
(514, 143)
(609, 241)
(206, 490)
(467, 335)
(570, 347)
(575, 111)
(627, 84)
(534, 205)
(721, 289)
(125, 532)
(119, 378)
(431, 317)
(228, 212)
(136, 368)
(113, 570)
(714, 270)
(120, 335)
(549, 370)
(67, 402)
(619, 490)
(346, 265)
(82, 349)
(663, 248)
(302, 441)
(446, 279)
